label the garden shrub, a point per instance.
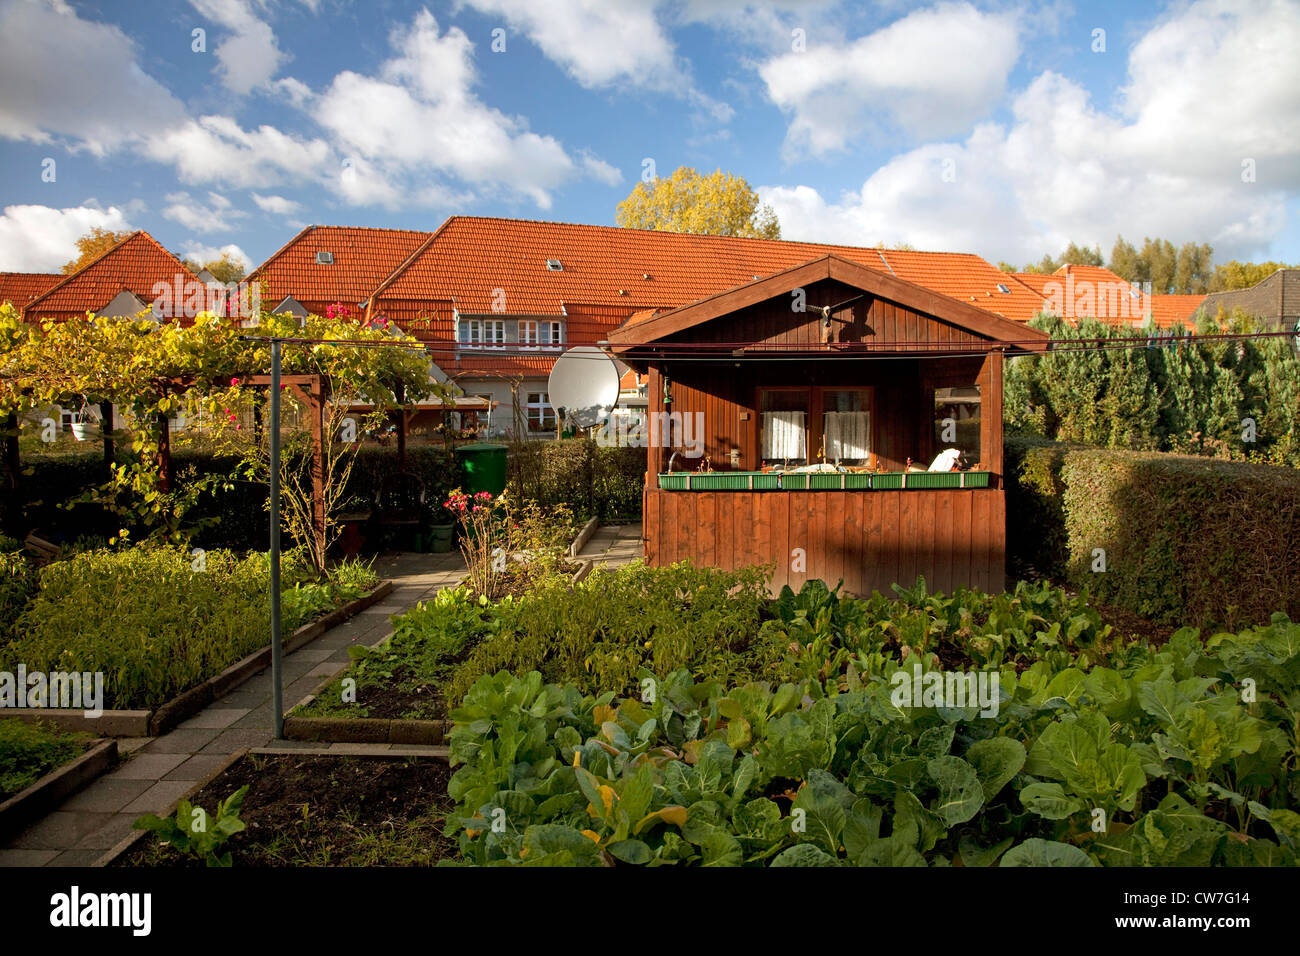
(156, 623)
(29, 751)
(17, 585)
(1186, 539)
(592, 480)
(839, 773)
(233, 517)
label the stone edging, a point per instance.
(57, 785)
(360, 730)
(153, 723)
(127, 842)
(583, 537)
(583, 570)
(366, 730)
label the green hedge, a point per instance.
(50, 481)
(592, 480)
(1185, 539)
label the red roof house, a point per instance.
(122, 281)
(19, 288)
(324, 265)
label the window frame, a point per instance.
(544, 409)
(816, 395)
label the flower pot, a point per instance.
(441, 536)
(80, 430)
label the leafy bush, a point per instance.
(1184, 537)
(17, 585)
(592, 480)
(50, 481)
(193, 833)
(1158, 744)
(29, 751)
(155, 622)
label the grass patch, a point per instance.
(30, 751)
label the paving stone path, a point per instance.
(157, 771)
(613, 545)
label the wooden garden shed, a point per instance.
(783, 414)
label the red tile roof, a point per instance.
(19, 288)
(1099, 293)
(363, 258)
(135, 264)
(624, 270)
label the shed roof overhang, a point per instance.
(645, 336)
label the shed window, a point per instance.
(957, 421)
(846, 426)
(785, 426)
(802, 425)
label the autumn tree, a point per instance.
(1243, 275)
(93, 245)
(722, 204)
(226, 268)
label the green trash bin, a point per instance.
(485, 467)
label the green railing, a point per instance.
(820, 481)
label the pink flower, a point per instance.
(234, 382)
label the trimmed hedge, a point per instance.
(594, 481)
(1186, 539)
(49, 481)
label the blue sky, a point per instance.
(998, 128)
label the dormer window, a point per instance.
(554, 265)
(533, 332)
(324, 258)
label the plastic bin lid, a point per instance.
(479, 447)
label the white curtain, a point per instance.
(848, 435)
(784, 435)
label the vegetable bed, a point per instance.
(160, 621)
(322, 811)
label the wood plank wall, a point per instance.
(869, 539)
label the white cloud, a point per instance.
(602, 43)
(250, 56)
(76, 82)
(1167, 164)
(276, 205)
(419, 120)
(42, 239)
(198, 253)
(597, 42)
(216, 215)
(932, 73)
(217, 149)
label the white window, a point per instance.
(533, 332)
(541, 416)
(481, 332)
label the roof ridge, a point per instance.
(402, 266)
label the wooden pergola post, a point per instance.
(13, 463)
(400, 394)
(164, 455)
(106, 433)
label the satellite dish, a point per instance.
(584, 383)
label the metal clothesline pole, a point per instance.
(277, 675)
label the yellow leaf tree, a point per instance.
(722, 204)
(93, 245)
